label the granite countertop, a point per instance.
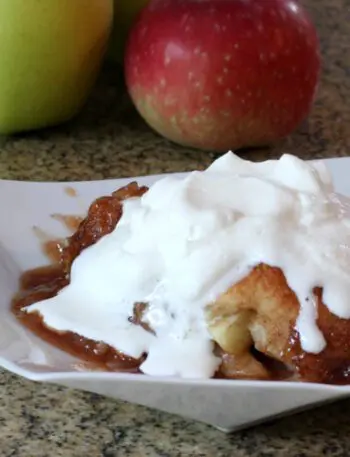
(109, 140)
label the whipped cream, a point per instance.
(188, 239)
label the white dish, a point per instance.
(227, 405)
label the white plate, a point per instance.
(228, 405)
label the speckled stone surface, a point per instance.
(109, 140)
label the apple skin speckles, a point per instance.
(238, 73)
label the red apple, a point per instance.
(223, 74)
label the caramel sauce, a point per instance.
(70, 191)
(71, 222)
(54, 249)
(45, 282)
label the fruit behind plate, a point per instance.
(50, 54)
(223, 74)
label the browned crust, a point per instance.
(275, 309)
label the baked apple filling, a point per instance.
(239, 272)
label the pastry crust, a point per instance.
(271, 309)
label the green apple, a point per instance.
(125, 12)
(50, 55)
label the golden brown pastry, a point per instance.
(261, 311)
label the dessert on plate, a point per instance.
(241, 271)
